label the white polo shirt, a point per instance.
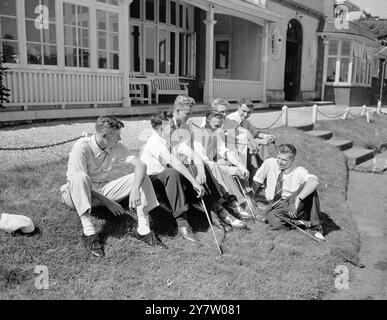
(88, 157)
(291, 181)
(150, 154)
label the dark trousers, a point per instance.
(173, 190)
(309, 210)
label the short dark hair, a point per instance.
(183, 101)
(247, 102)
(160, 117)
(287, 148)
(214, 114)
(108, 123)
(219, 102)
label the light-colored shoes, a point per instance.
(234, 222)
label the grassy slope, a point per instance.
(365, 135)
(251, 268)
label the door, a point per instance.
(222, 63)
(293, 61)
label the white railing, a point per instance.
(47, 87)
(230, 89)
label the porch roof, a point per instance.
(238, 8)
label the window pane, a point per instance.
(344, 67)
(83, 38)
(181, 55)
(163, 11)
(354, 70)
(10, 51)
(69, 14)
(181, 16)
(8, 28)
(102, 59)
(101, 20)
(333, 47)
(173, 13)
(51, 9)
(345, 48)
(8, 7)
(113, 22)
(150, 50)
(70, 57)
(135, 44)
(113, 2)
(113, 42)
(113, 61)
(172, 52)
(135, 9)
(32, 33)
(84, 58)
(49, 35)
(30, 6)
(162, 51)
(186, 19)
(70, 36)
(83, 16)
(150, 10)
(102, 36)
(50, 56)
(331, 69)
(222, 54)
(34, 54)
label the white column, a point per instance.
(325, 66)
(21, 32)
(124, 51)
(93, 37)
(208, 86)
(265, 58)
(59, 32)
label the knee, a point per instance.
(174, 175)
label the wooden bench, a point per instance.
(168, 85)
(137, 89)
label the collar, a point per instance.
(175, 122)
(95, 148)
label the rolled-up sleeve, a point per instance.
(262, 172)
(303, 175)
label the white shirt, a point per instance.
(151, 152)
(86, 156)
(200, 141)
(291, 181)
(235, 117)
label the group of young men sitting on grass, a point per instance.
(184, 165)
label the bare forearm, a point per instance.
(309, 188)
(139, 174)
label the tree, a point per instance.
(4, 91)
(374, 24)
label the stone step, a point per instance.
(322, 134)
(378, 164)
(341, 144)
(305, 127)
(356, 156)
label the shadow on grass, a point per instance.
(161, 221)
(328, 224)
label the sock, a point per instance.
(143, 224)
(87, 224)
(182, 220)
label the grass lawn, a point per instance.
(371, 135)
(259, 264)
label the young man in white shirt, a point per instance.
(90, 160)
(291, 191)
(256, 139)
(174, 185)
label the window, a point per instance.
(76, 35)
(107, 25)
(362, 64)
(339, 58)
(113, 2)
(8, 31)
(156, 38)
(41, 32)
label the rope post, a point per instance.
(345, 115)
(379, 107)
(368, 116)
(285, 115)
(314, 113)
(363, 110)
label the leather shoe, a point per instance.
(187, 233)
(93, 244)
(233, 222)
(150, 238)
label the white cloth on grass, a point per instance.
(12, 222)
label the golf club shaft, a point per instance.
(245, 196)
(208, 217)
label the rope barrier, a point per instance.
(269, 127)
(39, 147)
(330, 116)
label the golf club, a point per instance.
(247, 198)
